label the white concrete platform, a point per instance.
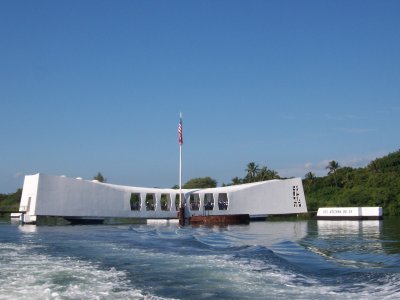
(350, 213)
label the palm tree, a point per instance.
(309, 177)
(332, 167)
(274, 174)
(99, 177)
(264, 174)
(252, 171)
(236, 180)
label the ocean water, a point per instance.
(263, 260)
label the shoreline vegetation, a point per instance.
(377, 184)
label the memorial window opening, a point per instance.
(223, 201)
(135, 201)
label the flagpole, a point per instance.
(180, 175)
(180, 159)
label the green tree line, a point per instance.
(377, 184)
(10, 202)
(255, 173)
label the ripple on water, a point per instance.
(147, 262)
(29, 275)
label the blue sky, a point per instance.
(88, 86)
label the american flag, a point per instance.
(180, 130)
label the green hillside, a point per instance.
(378, 184)
(10, 202)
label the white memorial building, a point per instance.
(60, 196)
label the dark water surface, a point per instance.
(263, 260)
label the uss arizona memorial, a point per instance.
(75, 198)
